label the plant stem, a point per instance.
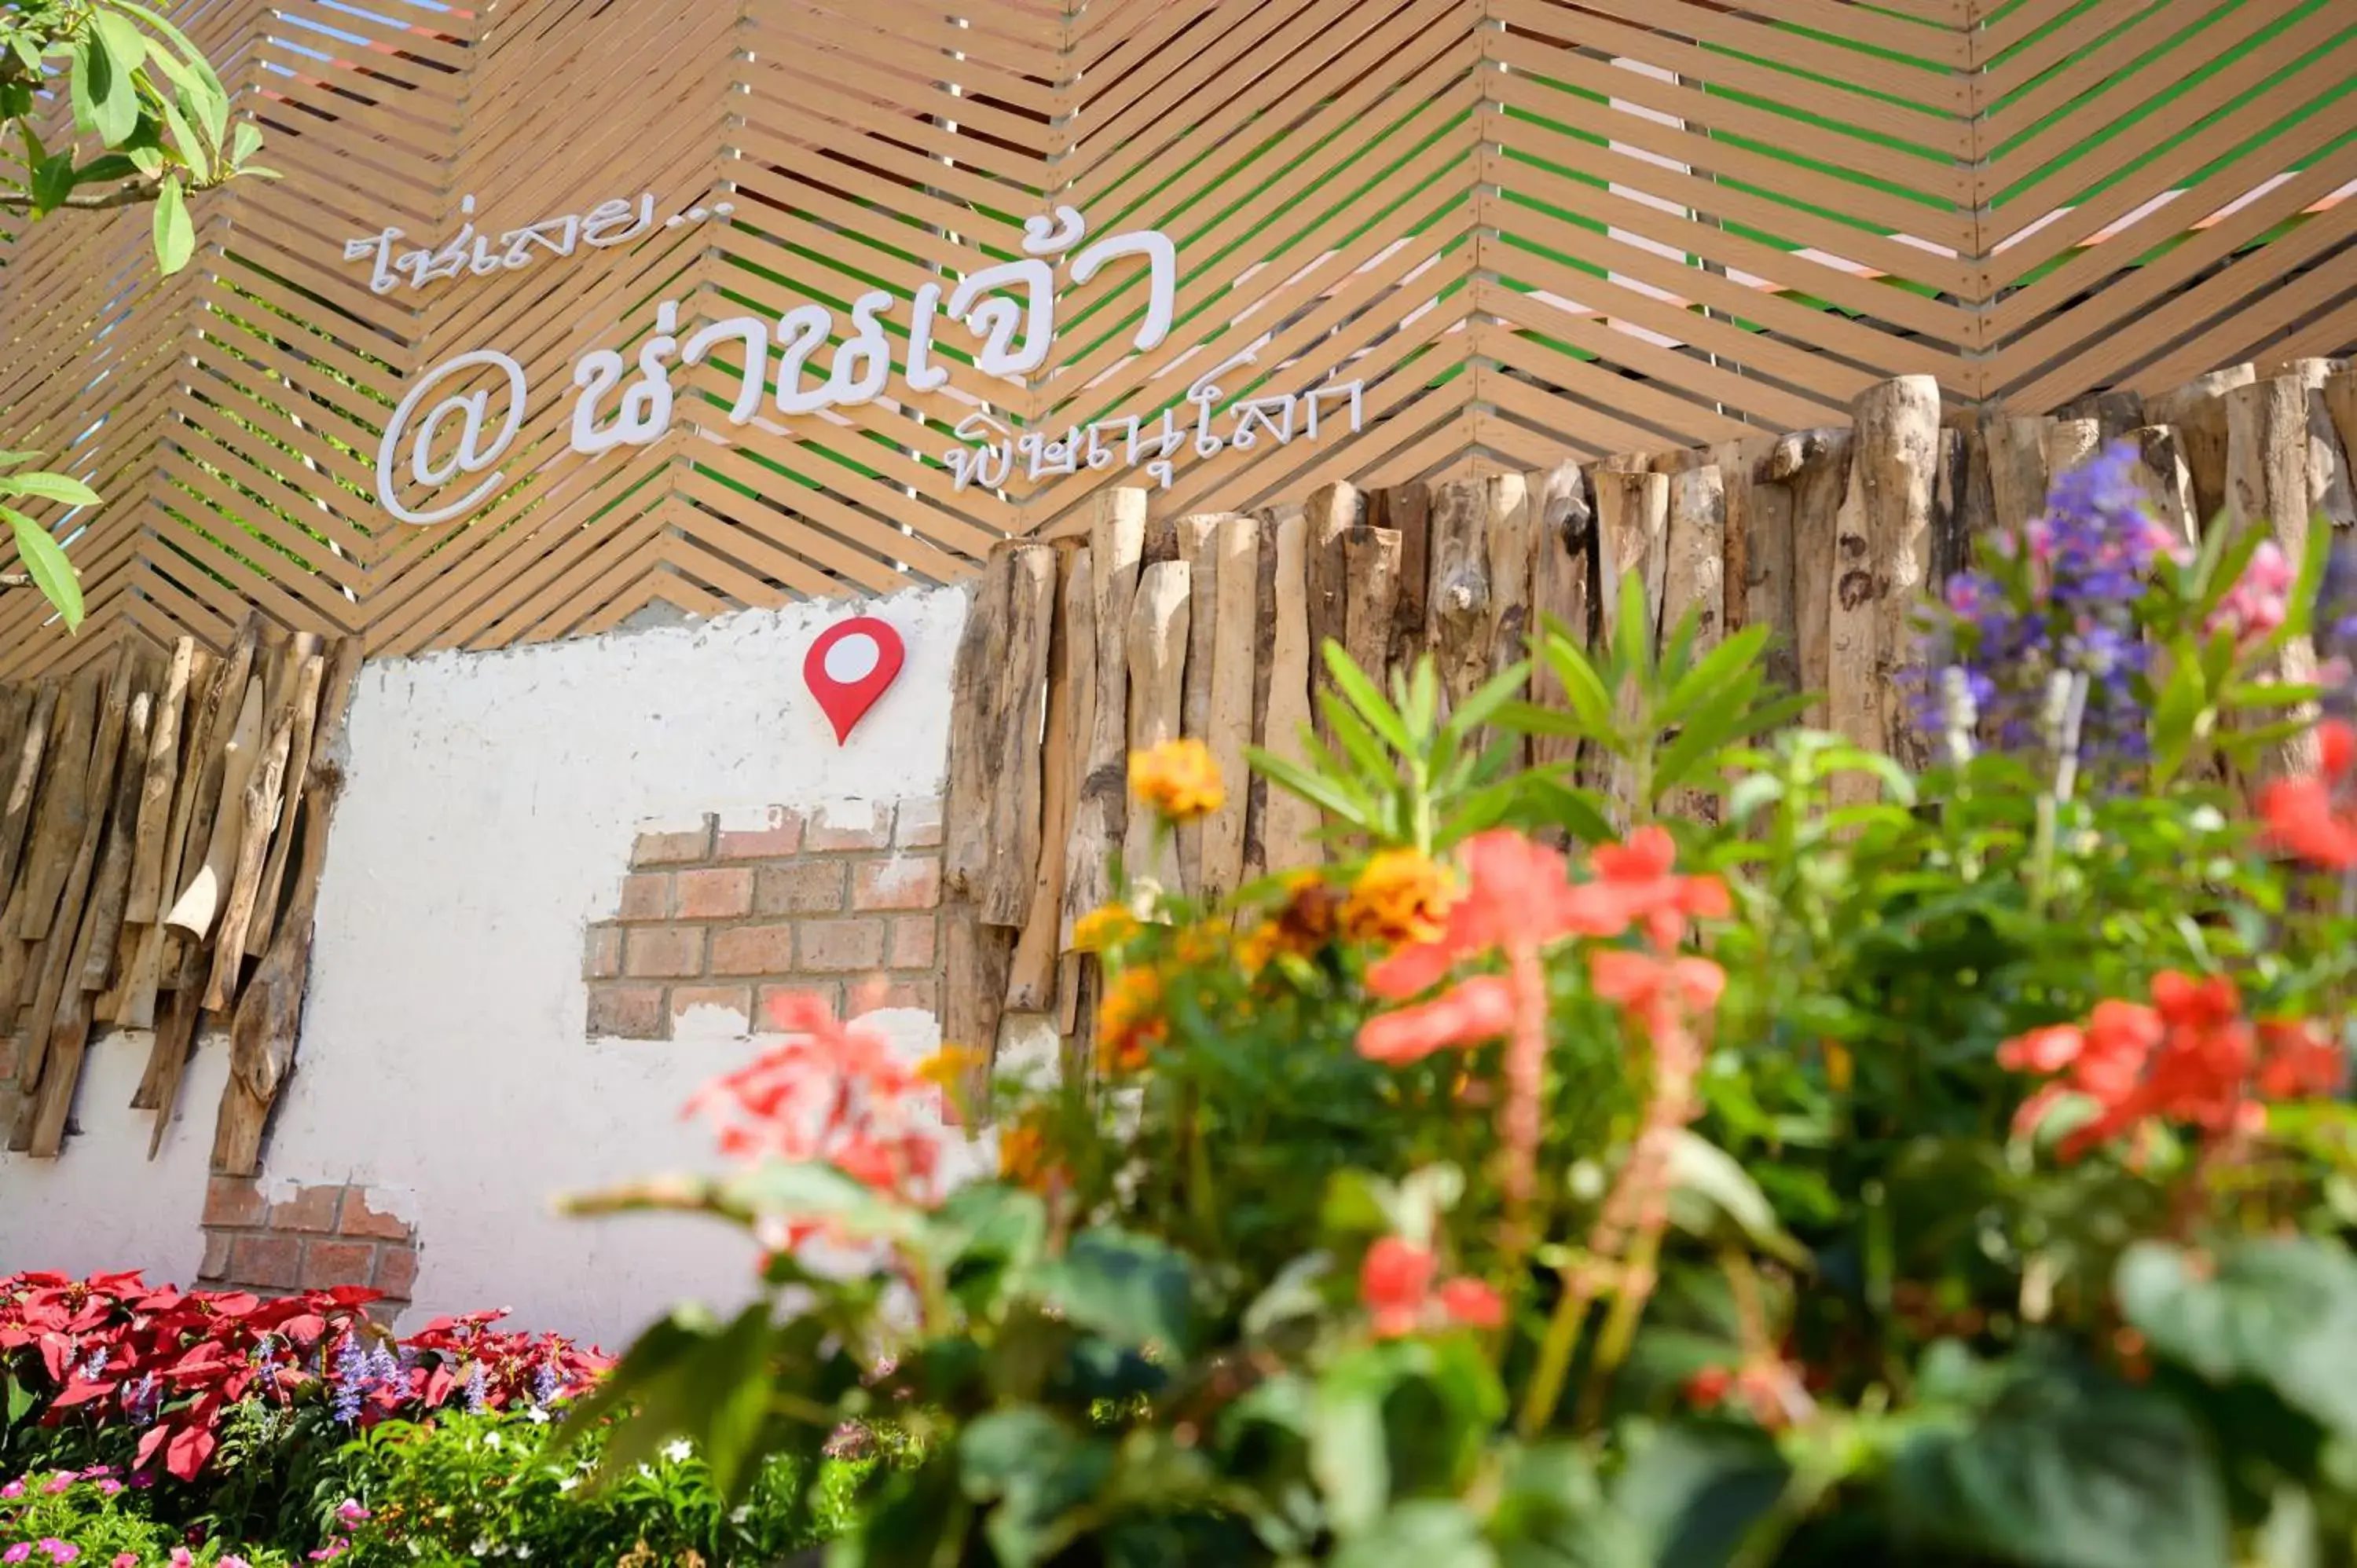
(1545, 1389)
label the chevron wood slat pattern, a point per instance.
(1522, 229)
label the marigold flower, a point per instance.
(1023, 1155)
(948, 1069)
(2311, 816)
(1130, 1022)
(1400, 897)
(1103, 929)
(1472, 1304)
(1392, 1281)
(1178, 779)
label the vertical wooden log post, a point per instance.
(1332, 512)
(2196, 411)
(1031, 970)
(1559, 591)
(1158, 657)
(1407, 511)
(1235, 648)
(1289, 833)
(1195, 535)
(1882, 552)
(2272, 482)
(1458, 597)
(1695, 582)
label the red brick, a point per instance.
(8, 1057)
(734, 998)
(835, 946)
(361, 1218)
(813, 888)
(828, 993)
(631, 1012)
(716, 894)
(850, 827)
(663, 952)
(311, 1208)
(920, 824)
(916, 993)
(233, 1200)
(266, 1263)
(216, 1263)
(781, 837)
(326, 1264)
(685, 847)
(753, 950)
(396, 1271)
(912, 942)
(646, 896)
(601, 954)
(911, 883)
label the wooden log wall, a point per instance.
(1086, 646)
(161, 837)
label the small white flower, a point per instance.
(740, 1514)
(567, 1483)
(677, 1450)
(491, 1440)
(479, 1547)
(523, 1553)
(537, 1417)
(416, 1550)
(646, 1469)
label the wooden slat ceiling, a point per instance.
(1527, 228)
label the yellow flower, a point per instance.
(1198, 944)
(1103, 929)
(948, 1069)
(1178, 780)
(1400, 898)
(1130, 1022)
(1023, 1155)
(1302, 925)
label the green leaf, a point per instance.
(127, 50)
(244, 143)
(193, 151)
(1363, 696)
(649, 1363)
(176, 236)
(1037, 1470)
(1290, 776)
(1632, 630)
(113, 101)
(1485, 702)
(1133, 1289)
(1717, 667)
(2281, 1312)
(20, 1401)
(1690, 1496)
(46, 564)
(51, 488)
(1583, 687)
(1427, 1533)
(731, 1375)
(1712, 1192)
(17, 459)
(1349, 1455)
(53, 181)
(2067, 1473)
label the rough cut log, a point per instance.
(2196, 411)
(200, 903)
(2017, 448)
(1973, 491)
(1952, 528)
(1511, 524)
(95, 962)
(1031, 969)
(1289, 834)
(1235, 651)
(2340, 405)
(2070, 443)
(1407, 511)
(1695, 582)
(1458, 595)
(1157, 654)
(262, 1033)
(1080, 631)
(1765, 584)
(1196, 533)
(146, 901)
(1372, 556)
(1559, 601)
(41, 1116)
(203, 759)
(1883, 552)
(975, 959)
(15, 707)
(176, 1037)
(966, 794)
(2114, 412)
(25, 774)
(309, 687)
(65, 801)
(1815, 466)
(261, 804)
(2272, 482)
(1259, 792)
(1332, 512)
(1116, 541)
(57, 974)
(1011, 708)
(2167, 482)
(2329, 479)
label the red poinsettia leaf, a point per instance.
(154, 1439)
(354, 1295)
(188, 1451)
(304, 1330)
(438, 1384)
(57, 1350)
(236, 1304)
(209, 1356)
(80, 1392)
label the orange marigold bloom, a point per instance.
(1515, 889)
(1400, 898)
(2313, 817)
(1103, 929)
(1130, 1022)
(1022, 1155)
(948, 1068)
(1178, 779)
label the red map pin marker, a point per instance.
(849, 666)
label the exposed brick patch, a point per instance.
(8, 1057)
(313, 1238)
(841, 903)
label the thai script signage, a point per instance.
(1007, 309)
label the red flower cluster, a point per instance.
(112, 1348)
(2190, 1057)
(2315, 817)
(833, 1094)
(1395, 1285)
(1519, 892)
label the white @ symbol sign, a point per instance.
(470, 454)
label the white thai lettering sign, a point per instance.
(1009, 312)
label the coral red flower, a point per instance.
(1655, 989)
(1708, 1387)
(2300, 1060)
(1471, 1305)
(2311, 816)
(1637, 881)
(1468, 1013)
(1392, 1281)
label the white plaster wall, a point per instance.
(491, 804)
